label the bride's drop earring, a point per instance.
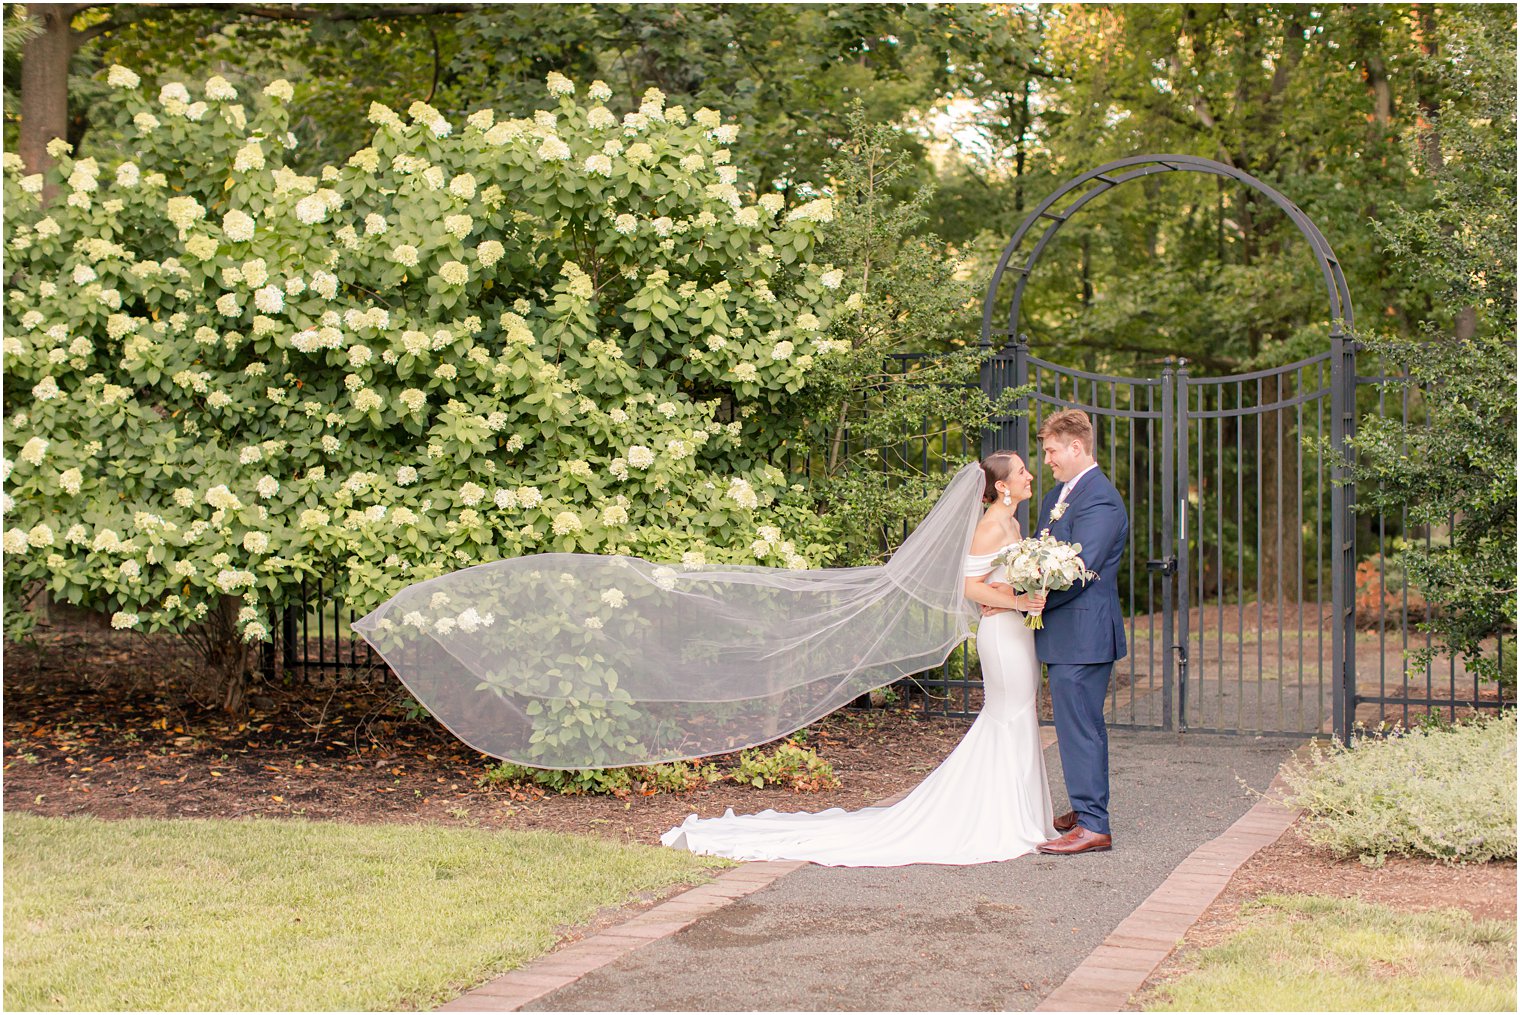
(1008, 499)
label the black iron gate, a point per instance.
(1240, 548)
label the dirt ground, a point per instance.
(1291, 866)
(97, 723)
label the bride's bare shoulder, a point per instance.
(990, 536)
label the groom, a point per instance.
(1084, 628)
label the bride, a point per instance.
(989, 800)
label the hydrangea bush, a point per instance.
(474, 340)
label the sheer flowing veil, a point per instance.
(568, 660)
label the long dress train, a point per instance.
(989, 800)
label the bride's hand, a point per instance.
(1032, 601)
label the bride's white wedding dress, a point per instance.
(989, 800)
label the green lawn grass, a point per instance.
(217, 915)
(1312, 953)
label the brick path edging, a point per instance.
(1118, 967)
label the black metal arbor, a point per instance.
(1205, 463)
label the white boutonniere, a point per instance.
(1057, 511)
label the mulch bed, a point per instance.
(101, 723)
(1292, 866)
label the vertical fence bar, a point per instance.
(1342, 531)
(1168, 504)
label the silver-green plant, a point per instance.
(1446, 794)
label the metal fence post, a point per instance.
(1342, 532)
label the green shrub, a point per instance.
(1447, 794)
(789, 765)
(471, 341)
(637, 780)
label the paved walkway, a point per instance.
(1001, 936)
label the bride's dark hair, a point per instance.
(997, 467)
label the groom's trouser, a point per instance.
(1077, 693)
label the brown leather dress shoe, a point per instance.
(1078, 840)
(1066, 822)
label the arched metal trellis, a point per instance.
(1214, 471)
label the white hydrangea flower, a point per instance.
(312, 209)
(122, 620)
(640, 153)
(47, 389)
(280, 89)
(182, 211)
(614, 598)
(504, 499)
(413, 399)
(552, 149)
(626, 224)
(558, 84)
(454, 273)
(741, 493)
(222, 498)
(746, 372)
(267, 486)
(238, 226)
(783, 350)
(41, 536)
(375, 225)
(831, 279)
(324, 284)
(601, 118)
(529, 496)
(458, 226)
(34, 450)
(256, 542)
(489, 252)
(594, 623)
(821, 210)
(726, 134)
(614, 514)
(249, 158)
(566, 522)
(404, 254)
(270, 299)
(120, 77)
(640, 457)
(463, 186)
(598, 165)
(470, 494)
(217, 87)
(772, 203)
(481, 119)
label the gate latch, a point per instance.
(1166, 565)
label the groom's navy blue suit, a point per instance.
(1082, 637)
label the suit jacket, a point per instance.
(1084, 624)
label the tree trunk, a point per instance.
(229, 659)
(45, 86)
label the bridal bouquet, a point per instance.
(1043, 564)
